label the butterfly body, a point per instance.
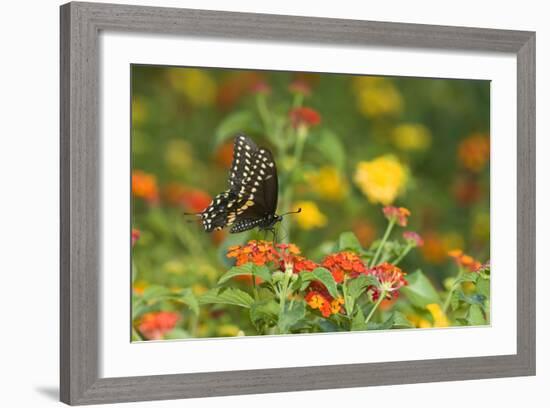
(251, 200)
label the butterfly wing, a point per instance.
(253, 191)
(258, 194)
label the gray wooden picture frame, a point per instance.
(81, 24)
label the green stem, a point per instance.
(403, 254)
(263, 111)
(391, 223)
(283, 294)
(453, 288)
(348, 305)
(380, 299)
(301, 136)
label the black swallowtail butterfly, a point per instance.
(251, 200)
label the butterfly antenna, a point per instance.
(199, 214)
(298, 211)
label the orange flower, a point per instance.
(465, 261)
(258, 252)
(399, 215)
(391, 279)
(474, 152)
(344, 263)
(224, 155)
(155, 325)
(434, 249)
(304, 116)
(413, 238)
(316, 300)
(144, 185)
(135, 235)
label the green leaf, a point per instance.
(348, 241)
(232, 124)
(455, 300)
(176, 334)
(229, 296)
(483, 287)
(475, 316)
(358, 322)
(246, 269)
(155, 293)
(357, 286)
(187, 296)
(265, 310)
(468, 277)
(326, 279)
(400, 321)
(388, 324)
(305, 279)
(330, 146)
(291, 315)
(420, 290)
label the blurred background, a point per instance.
(370, 141)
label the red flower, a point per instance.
(300, 87)
(260, 87)
(391, 279)
(154, 325)
(413, 238)
(399, 215)
(344, 263)
(135, 235)
(191, 199)
(304, 116)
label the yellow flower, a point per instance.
(440, 319)
(377, 96)
(195, 84)
(411, 137)
(381, 179)
(310, 217)
(178, 155)
(139, 110)
(328, 183)
(228, 330)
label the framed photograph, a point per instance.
(262, 203)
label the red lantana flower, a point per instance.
(391, 279)
(135, 235)
(260, 87)
(344, 263)
(400, 215)
(413, 238)
(300, 87)
(155, 325)
(304, 116)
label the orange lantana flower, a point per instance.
(465, 261)
(344, 263)
(144, 185)
(398, 214)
